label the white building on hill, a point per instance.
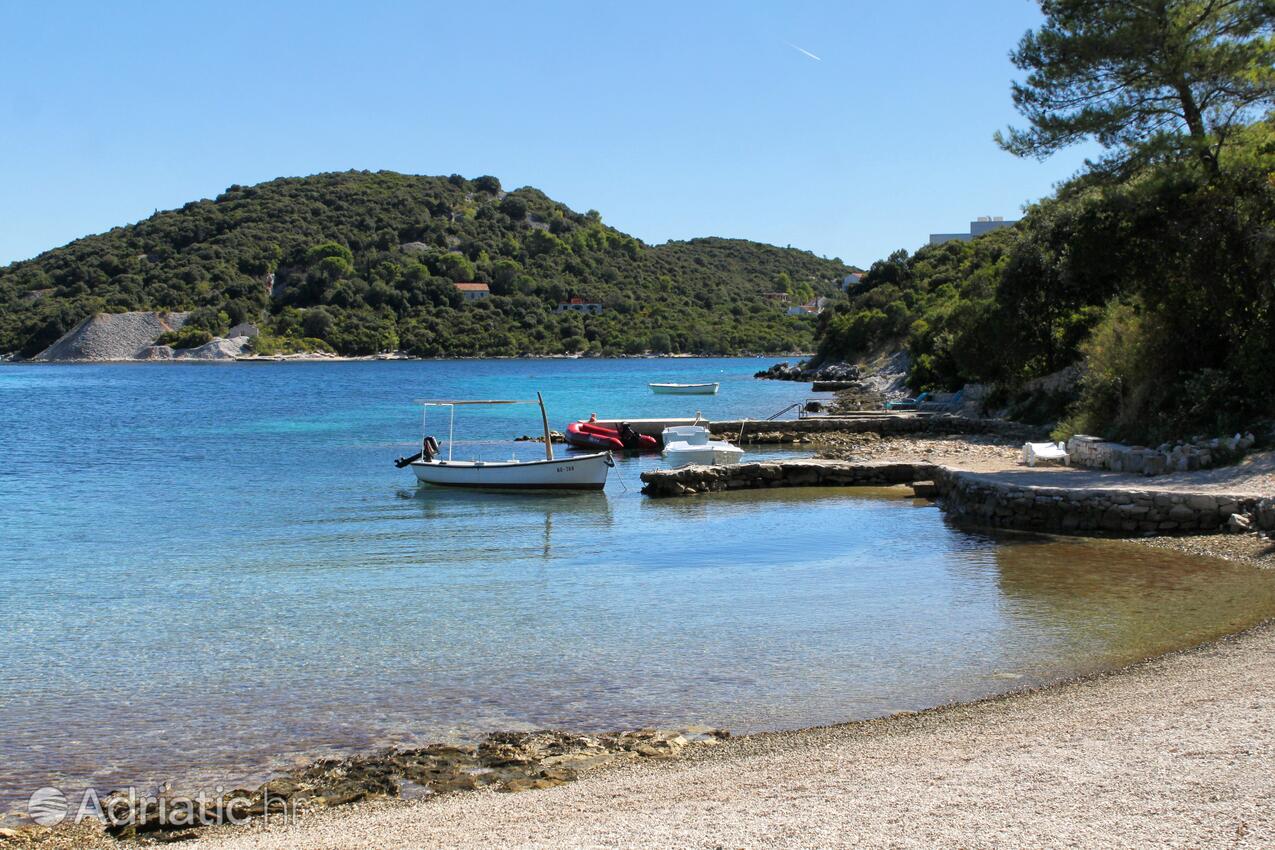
(982, 224)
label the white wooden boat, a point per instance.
(684, 389)
(690, 444)
(581, 472)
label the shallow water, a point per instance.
(210, 570)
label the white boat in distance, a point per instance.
(690, 444)
(581, 472)
(684, 389)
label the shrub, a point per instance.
(269, 346)
(187, 337)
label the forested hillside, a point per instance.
(1153, 271)
(1162, 287)
(364, 262)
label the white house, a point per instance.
(851, 280)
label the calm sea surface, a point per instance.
(212, 570)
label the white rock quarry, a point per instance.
(113, 336)
(131, 336)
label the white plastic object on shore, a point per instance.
(1033, 452)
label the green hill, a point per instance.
(365, 262)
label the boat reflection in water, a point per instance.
(509, 521)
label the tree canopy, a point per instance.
(1144, 77)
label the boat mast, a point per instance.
(544, 418)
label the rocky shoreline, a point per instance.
(322, 356)
(509, 762)
(1252, 548)
(133, 337)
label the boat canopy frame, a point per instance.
(452, 404)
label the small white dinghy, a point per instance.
(690, 444)
(684, 389)
(580, 472)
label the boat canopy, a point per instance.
(429, 402)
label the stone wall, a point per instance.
(690, 480)
(1095, 453)
(981, 500)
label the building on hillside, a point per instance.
(473, 291)
(810, 308)
(851, 280)
(578, 305)
(983, 224)
(778, 297)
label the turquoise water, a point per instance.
(213, 570)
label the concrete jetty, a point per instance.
(653, 427)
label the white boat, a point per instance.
(684, 389)
(580, 472)
(690, 444)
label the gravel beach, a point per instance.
(1174, 752)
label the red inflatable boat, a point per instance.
(587, 435)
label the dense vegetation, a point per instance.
(1153, 271)
(365, 262)
(1163, 287)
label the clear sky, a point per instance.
(674, 120)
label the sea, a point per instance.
(212, 572)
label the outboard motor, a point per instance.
(429, 450)
(629, 438)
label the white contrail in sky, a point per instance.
(803, 50)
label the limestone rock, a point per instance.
(1239, 524)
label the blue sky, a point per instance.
(674, 120)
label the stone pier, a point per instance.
(690, 480)
(982, 499)
(988, 499)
